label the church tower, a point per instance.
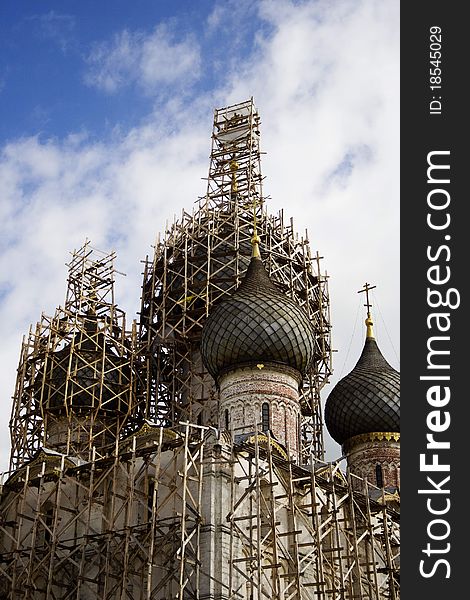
(202, 258)
(76, 382)
(362, 413)
(257, 345)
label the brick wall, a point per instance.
(244, 390)
(366, 452)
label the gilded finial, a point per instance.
(233, 169)
(369, 322)
(255, 253)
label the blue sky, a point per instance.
(52, 55)
(106, 112)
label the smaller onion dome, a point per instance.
(367, 400)
(257, 324)
(86, 374)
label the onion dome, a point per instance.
(367, 400)
(257, 324)
(86, 374)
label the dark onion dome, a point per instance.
(367, 400)
(86, 374)
(257, 324)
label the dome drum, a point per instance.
(263, 397)
(376, 458)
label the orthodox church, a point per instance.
(182, 456)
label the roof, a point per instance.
(366, 400)
(258, 323)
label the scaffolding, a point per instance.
(302, 532)
(121, 484)
(75, 387)
(201, 258)
(185, 514)
(118, 527)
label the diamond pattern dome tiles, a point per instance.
(258, 323)
(366, 400)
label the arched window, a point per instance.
(265, 416)
(379, 478)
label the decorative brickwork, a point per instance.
(244, 391)
(375, 457)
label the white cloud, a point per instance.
(112, 65)
(59, 28)
(151, 61)
(325, 79)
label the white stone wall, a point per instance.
(237, 530)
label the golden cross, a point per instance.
(233, 169)
(366, 288)
(255, 239)
(255, 206)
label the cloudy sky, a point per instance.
(106, 114)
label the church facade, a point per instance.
(182, 456)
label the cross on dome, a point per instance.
(369, 322)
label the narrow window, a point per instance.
(227, 419)
(265, 416)
(379, 476)
(150, 499)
